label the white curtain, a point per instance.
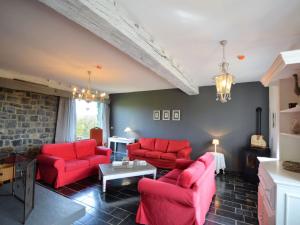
(66, 121)
(103, 119)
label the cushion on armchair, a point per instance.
(147, 143)
(68, 152)
(85, 148)
(175, 146)
(190, 175)
(72, 165)
(95, 159)
(153, 154)
(161, 145)
(168, 156)
(139, 152)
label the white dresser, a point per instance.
(278, 194)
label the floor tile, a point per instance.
(120, 213)
(220, 219)
(231, 215)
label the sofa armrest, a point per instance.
(52, 161)
(101, 150)
(184, 153)
(133, 146)
(166, 191)
(182, 164)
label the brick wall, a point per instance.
(27, 119)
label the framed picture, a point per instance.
(176, 115)
(156, 114)
(166, 115)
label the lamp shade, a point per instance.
(127, 129)
(215, 142)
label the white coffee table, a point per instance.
(109, 172)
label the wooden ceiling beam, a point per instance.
(107, 20)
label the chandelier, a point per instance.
(224, 80)
(87, 94)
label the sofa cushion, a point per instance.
(85, 148)
(207, 158)
(161, 145)
(173, 174)
(147, 143)
(190, 175)
(76, 165)
(168, 156)
(167, 180)
(153, 154)
(95, 159)
(65, 150)
(138, 152)
(175, 146)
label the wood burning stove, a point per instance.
(257, 149)
(251, 163)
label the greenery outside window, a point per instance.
(88, 115)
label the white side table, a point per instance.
(220, 162)
(117, 140)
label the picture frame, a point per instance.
(166, 115)
(176, 115)
(156, 114)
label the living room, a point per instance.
(149, 112)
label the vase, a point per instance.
(295, 127)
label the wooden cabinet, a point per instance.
(6, 173)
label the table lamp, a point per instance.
(215, 142)
(127, 130)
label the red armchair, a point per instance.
(160, 152)
(62, 164)
(183, 196)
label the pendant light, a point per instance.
(224, 80)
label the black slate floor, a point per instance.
(235, 202)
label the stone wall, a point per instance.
(27, 119)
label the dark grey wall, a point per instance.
(202, 117)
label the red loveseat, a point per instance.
(160, 152)
(183, 196)
(62, 164)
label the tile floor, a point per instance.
(235, 202)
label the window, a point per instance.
(87, 117)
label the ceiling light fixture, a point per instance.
(224, 80)
(87, 94)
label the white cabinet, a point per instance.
(279, 190)
(283, 142)
(278, 195)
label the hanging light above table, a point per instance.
(224, 80)
(88, 94)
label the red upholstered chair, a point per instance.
(97, 134)
(182, 196)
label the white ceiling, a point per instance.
(35, 40)
(190, 31)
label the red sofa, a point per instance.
(160, 152)
(183, 196)
(62, 164)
